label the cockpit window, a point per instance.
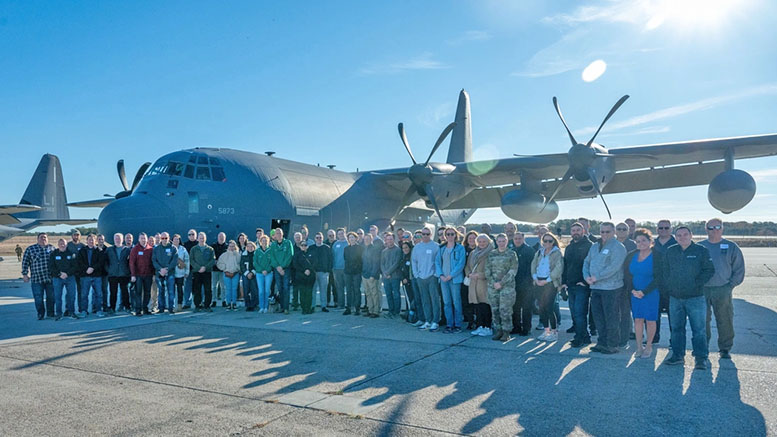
(199, 167)
(203, 173)
(218, 174)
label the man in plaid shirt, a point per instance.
(35, 269)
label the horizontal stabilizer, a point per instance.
(96, 203)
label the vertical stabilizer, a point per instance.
(460, 149)
(47, 190)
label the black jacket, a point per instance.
(323, 257)
(117, 264)
(99, 259)
(658, 271)
(686, 271)
(353, 259)
(218, 249)
(574, 256)
(525, 256)
(303, 260)
(63, 262)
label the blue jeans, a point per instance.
(264, 283)
(430, 299)
(393, 296)
(165, 288)
(282, 287)
(70, 297)
(230, 288)
(695, 309)
(39, 290)
(95, 283)
(451, 298)
(187, 289)
(578, 305)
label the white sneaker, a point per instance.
(486, 332)
(433, 327)
(425, 326)
(477, 331)
(418, 324)
(553, 336)
(543, 337)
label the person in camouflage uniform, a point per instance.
(501, 266)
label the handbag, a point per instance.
(466, 281)
(466, 278)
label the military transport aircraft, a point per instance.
(227, 190)
(44, 202)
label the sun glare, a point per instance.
(691, 14)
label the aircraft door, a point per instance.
(283, 224)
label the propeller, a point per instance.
(123, 178)
(421, 175)
(582, 156)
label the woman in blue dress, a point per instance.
(642, 277)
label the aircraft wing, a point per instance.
(15, 209)
(96, 203)
(552, 166)
(54, 222)
(10, 230)
(623, 182)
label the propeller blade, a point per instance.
(139, 175)
(558, 111)
(430, 192)
(444, 134)
(402, 135)
(625, 155)
(592, 175)
(409, 194)
(564, 180)
(122, 175)
(609, 114)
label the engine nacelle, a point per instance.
(524, 206)
(731, 190)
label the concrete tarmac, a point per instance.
(241, 373)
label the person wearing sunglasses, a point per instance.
(687, 268)
(449, 267)
(729, 273)
(622, 234)
(603, 272)
(423, 268)
(390, 267)
(547, 268)
(188, 285)
(501, 267)
(164, 257)
(664, 241)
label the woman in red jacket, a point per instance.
(142, 271)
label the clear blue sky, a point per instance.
(327, 82)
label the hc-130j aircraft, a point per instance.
(214, 190)
(44, 202)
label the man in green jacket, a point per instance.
(281, 253)
(202, 258)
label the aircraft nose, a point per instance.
(134, 214)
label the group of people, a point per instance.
(617, 284)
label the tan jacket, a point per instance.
(229, 261)
(478, 287)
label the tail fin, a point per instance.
(47, 190)
(460, 149)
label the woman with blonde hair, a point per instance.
(229, 263)
(475, 272)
